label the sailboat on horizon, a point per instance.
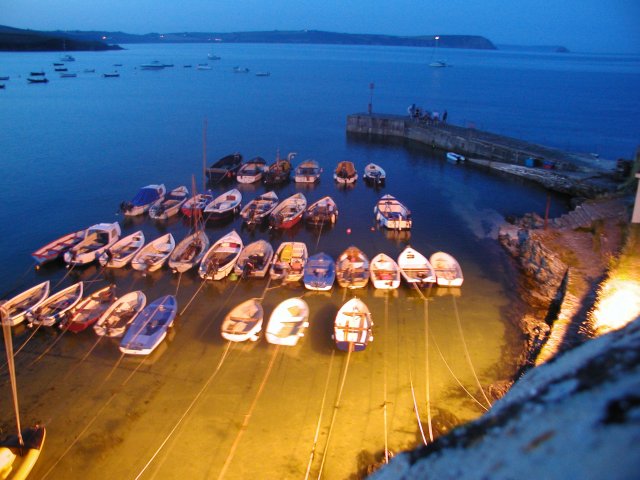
(434, 61)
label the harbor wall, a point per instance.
(471, 142)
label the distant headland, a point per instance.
(14, 39)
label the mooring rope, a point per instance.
(18, 281)
(384, 376)
(247, 417)
(178, 285)
(335, 411)
(415, 408)
(187, 411)
(426, 366)
(466, 351)
(84, 357)
(317, 434)
(224, 304)
(447, 364)
(92, 421)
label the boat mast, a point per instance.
(204, 156)
(8, 345)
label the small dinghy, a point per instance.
(150, 326)
(447, 268)
(288, 212)
(121, 253)
(154, 254)
(289, 261)
(56, 306)
(307, 172)
(345, 173)
(244, 322)
(189, 252)
(322, 212)
(352, 329)
(23, 303)
(224, 206)
(56, 249)
(170, 204)
(319, 272)
(18, 455)
(352, 268)
(415, 268)
(374, 175)
(99, 237)
(392, 214)
(455, 157)
(143, 200)
(252, 171)
(259, 208)
(196, 204)
(221, 257)
(88, 310)
(254, 260)
(385, 272)
(279, 172)
(288, 322)
(224, 169)
(120, 314)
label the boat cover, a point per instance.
(145, 196)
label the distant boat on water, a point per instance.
(434, 61)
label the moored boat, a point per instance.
(345, 172)
(455, 157)
(154, 254)
(38, 80)
(322, 212)
(221, 257)
(21, 304)
(392, 214)
(288, 212)
(289, 261)
(88, 310)
(259, 208)
(121, 252)
(53, 309)
(143, 200)
(415, 268)
(115, 320)
(150, 326)
(307, 172)
(447, 268)
(196, 204)
(224, 169)
(254, 260)
(243, 322)
(223, 206)
(189, 252)
(319, 272)
(385, 272)
(168, 206)
(288, 322)
(279, 172)
(352, 268)
(55, 249)
(18, 455)
(252, 171)
(352, 329)
(374, 175)
(98, 238)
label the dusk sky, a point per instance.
(581, 25)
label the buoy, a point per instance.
(348, 231)
(373, 229)
(233, 277)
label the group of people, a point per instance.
(426, 116)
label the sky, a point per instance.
(599, 26)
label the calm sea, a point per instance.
(73, 149)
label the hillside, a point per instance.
(19, 40)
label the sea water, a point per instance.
(73, 149)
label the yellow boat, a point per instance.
(16, 462)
